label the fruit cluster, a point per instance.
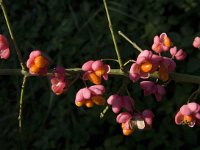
(148, 63)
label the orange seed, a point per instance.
(127, 132)
(98, 100)
(187, 119)
(122, 125)
(99, 72)
(34, 69)
(80, 103)
(94, 78)
(163, 74)
(89, 103)
(146, 67)
(40, 61)
(167, 42)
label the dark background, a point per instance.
(71, 32)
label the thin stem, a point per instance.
(110, 60)
(85, 84)
(12, 36)
(13, 72)
(131, 42)
(73, 69)
(177, 77)
(74, 80)
(113, 36)
(129, 61)
(184, 78)
(194, 94)
(128, 92)
(104, 111)
(123, 87)
(21, 101)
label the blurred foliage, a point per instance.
(71, 32)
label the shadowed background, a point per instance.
(71, 32)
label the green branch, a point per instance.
(12, 36)
(177, 77)
(131, 42)
(185, 78)
(21, 101)
(113, 36)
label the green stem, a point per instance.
(12, 36)
(113, 36)
(129, 61)
(194, 95)
(184, 78)
(177, 77)
(74, 80)
(110, 60)
(21, 101)
(123, 87)
(13, 72)
(131, 42)
(127, 91)
(104, 111)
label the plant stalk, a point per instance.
(131, 42)
(12, 36)
(21, 101)
(113, 36)
(177, 77)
